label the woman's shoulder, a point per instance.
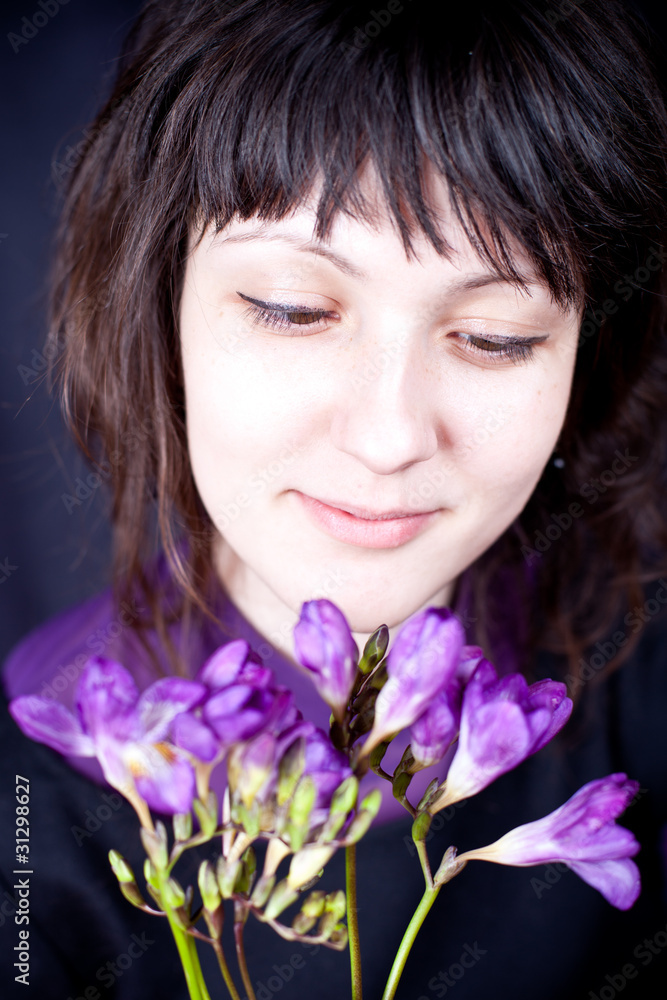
(49, 660)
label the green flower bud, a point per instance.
(227, 874)
(150, 874)
(307, 863)
(182, 826)
(400, 784)
(131, 892)
(336, 904)
(302, 924)
(173, 894)
(155, 844)
(424, 801)
(262, 891)
(372, 802)
(207, 814)
(290, 770)
(303, 801)
(246, 876)
(281, 897)
(208, 887)
(314, 904)
(345, 797)
(374, 649)
(338, 939)
(120, 867)
(326, 926)
(421, 826)
(359, 826)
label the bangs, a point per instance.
(499, 111)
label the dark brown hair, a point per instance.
(548, 129)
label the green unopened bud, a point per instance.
(336, 904)
(345, 797)
(182, 826)
(302, 923)
(374, 649)
(207, 814)
(227, 873)
(131, 892)
(314, 904)
(208, 886)
(262, 890)
(372, 802)
(400, 785)
(290, 770)
(332, 828)
(150, 874)
(421, 826)
(247, 874)
(155, 844)
(282, 896)
(338, 939)
(358, 828)
(173, 894)
(377, 754)
(120, 867)
(214, 922)
(449, 867)
(307, 863)
(303, 801)
(426, 797)
(327, 925)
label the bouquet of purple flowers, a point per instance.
(296, 788)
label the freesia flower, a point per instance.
(324, 645)
(127, 732)
(503, 721)
(583, 835)
(241, 701)
(432, 733)
(421, 665)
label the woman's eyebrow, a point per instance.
(465, 284)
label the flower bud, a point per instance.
(336, 904)
(182, 823)
(324, 645)
(282, 896)
(345, 797)
(227, 873)
(262, 890)
(307, 863)
(155, 844)
(374, 649)
(208, 887)
(290, 770)
(120, 867)
(314, 904)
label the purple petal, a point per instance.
(617, 880)
(324, 645)
(163, 701)
(168, 782)
(51, 723)
(106, 697)
(433, 732)
(223, 667)
(194, 736)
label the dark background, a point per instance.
(52, 556)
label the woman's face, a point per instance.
(347, 374)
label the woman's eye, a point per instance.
(284, 317)
(516, 350)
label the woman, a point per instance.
(348, 307)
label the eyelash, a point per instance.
(516, 351)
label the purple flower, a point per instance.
(324, 645)
(583, 835)
(126, 731)
(241, 702)
(503, 721)
(421, 664)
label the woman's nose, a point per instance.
(385, 415)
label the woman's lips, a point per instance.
(371, 534)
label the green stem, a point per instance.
(352, 919)
(187, 950)
(418, 917)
